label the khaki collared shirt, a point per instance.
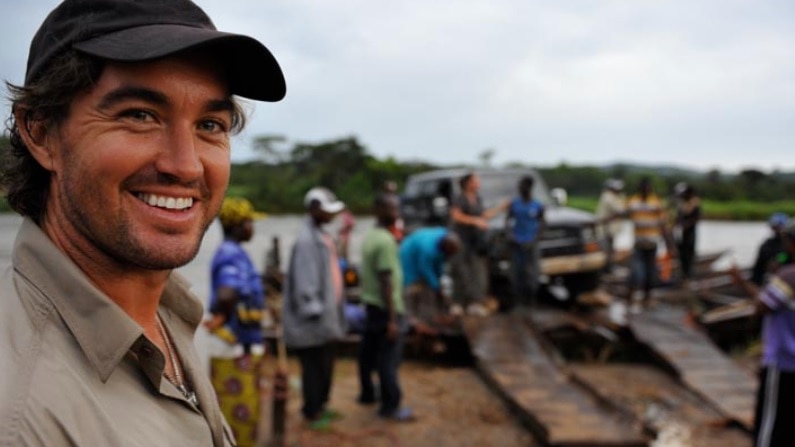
(77, 371)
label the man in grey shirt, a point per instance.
(119, 162)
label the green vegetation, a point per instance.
(284, 171)
(715, 210)
(746, 210)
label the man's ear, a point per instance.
(36, 136)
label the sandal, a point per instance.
(404, 414)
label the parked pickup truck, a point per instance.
(571, 256)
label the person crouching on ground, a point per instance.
(381, 347)
(313, 315)
(422, 257)
(237, 299)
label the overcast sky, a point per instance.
(697, 83)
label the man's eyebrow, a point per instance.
(220, 105)
(152, 96)
(133, 93)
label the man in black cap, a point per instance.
(119, 162)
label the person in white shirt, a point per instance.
(609, 212)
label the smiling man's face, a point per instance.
(141, 164)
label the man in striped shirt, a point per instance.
(647, 214)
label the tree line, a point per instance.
(283, 171)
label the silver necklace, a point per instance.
(177, 381)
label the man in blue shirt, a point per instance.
(524, 224)
(422, 257)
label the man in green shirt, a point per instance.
(382, 341)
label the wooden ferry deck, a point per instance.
(701, 365)
(511, 358)
(515, 356)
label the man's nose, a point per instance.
(181, 158)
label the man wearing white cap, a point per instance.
(313, 312)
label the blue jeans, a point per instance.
(644, 268)
(379, 354)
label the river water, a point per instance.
(741, 238)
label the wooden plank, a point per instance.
(511, 358)
(701, 365)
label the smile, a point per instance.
(171, 203)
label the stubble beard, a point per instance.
(113, 233)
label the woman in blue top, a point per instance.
(237, 300)
(524, 224)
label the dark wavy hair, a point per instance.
(465, 179)
(23, 181)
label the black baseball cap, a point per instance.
(143, 30)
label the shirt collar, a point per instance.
(104, 332)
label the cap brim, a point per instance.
(333, 208)
(251, 68)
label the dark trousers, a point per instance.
(470, 276)
(317, 368)
(377, 353)
(687, 252)
(609, 247)
(775, 405)
(525, 268)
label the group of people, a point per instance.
(771, 284)
(652, 227)
(313, 318)
(313, 312)
(400, 278)
(119, 163)
(523, 228)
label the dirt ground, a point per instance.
(456, 408)
(453, 407)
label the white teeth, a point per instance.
(171, 203)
